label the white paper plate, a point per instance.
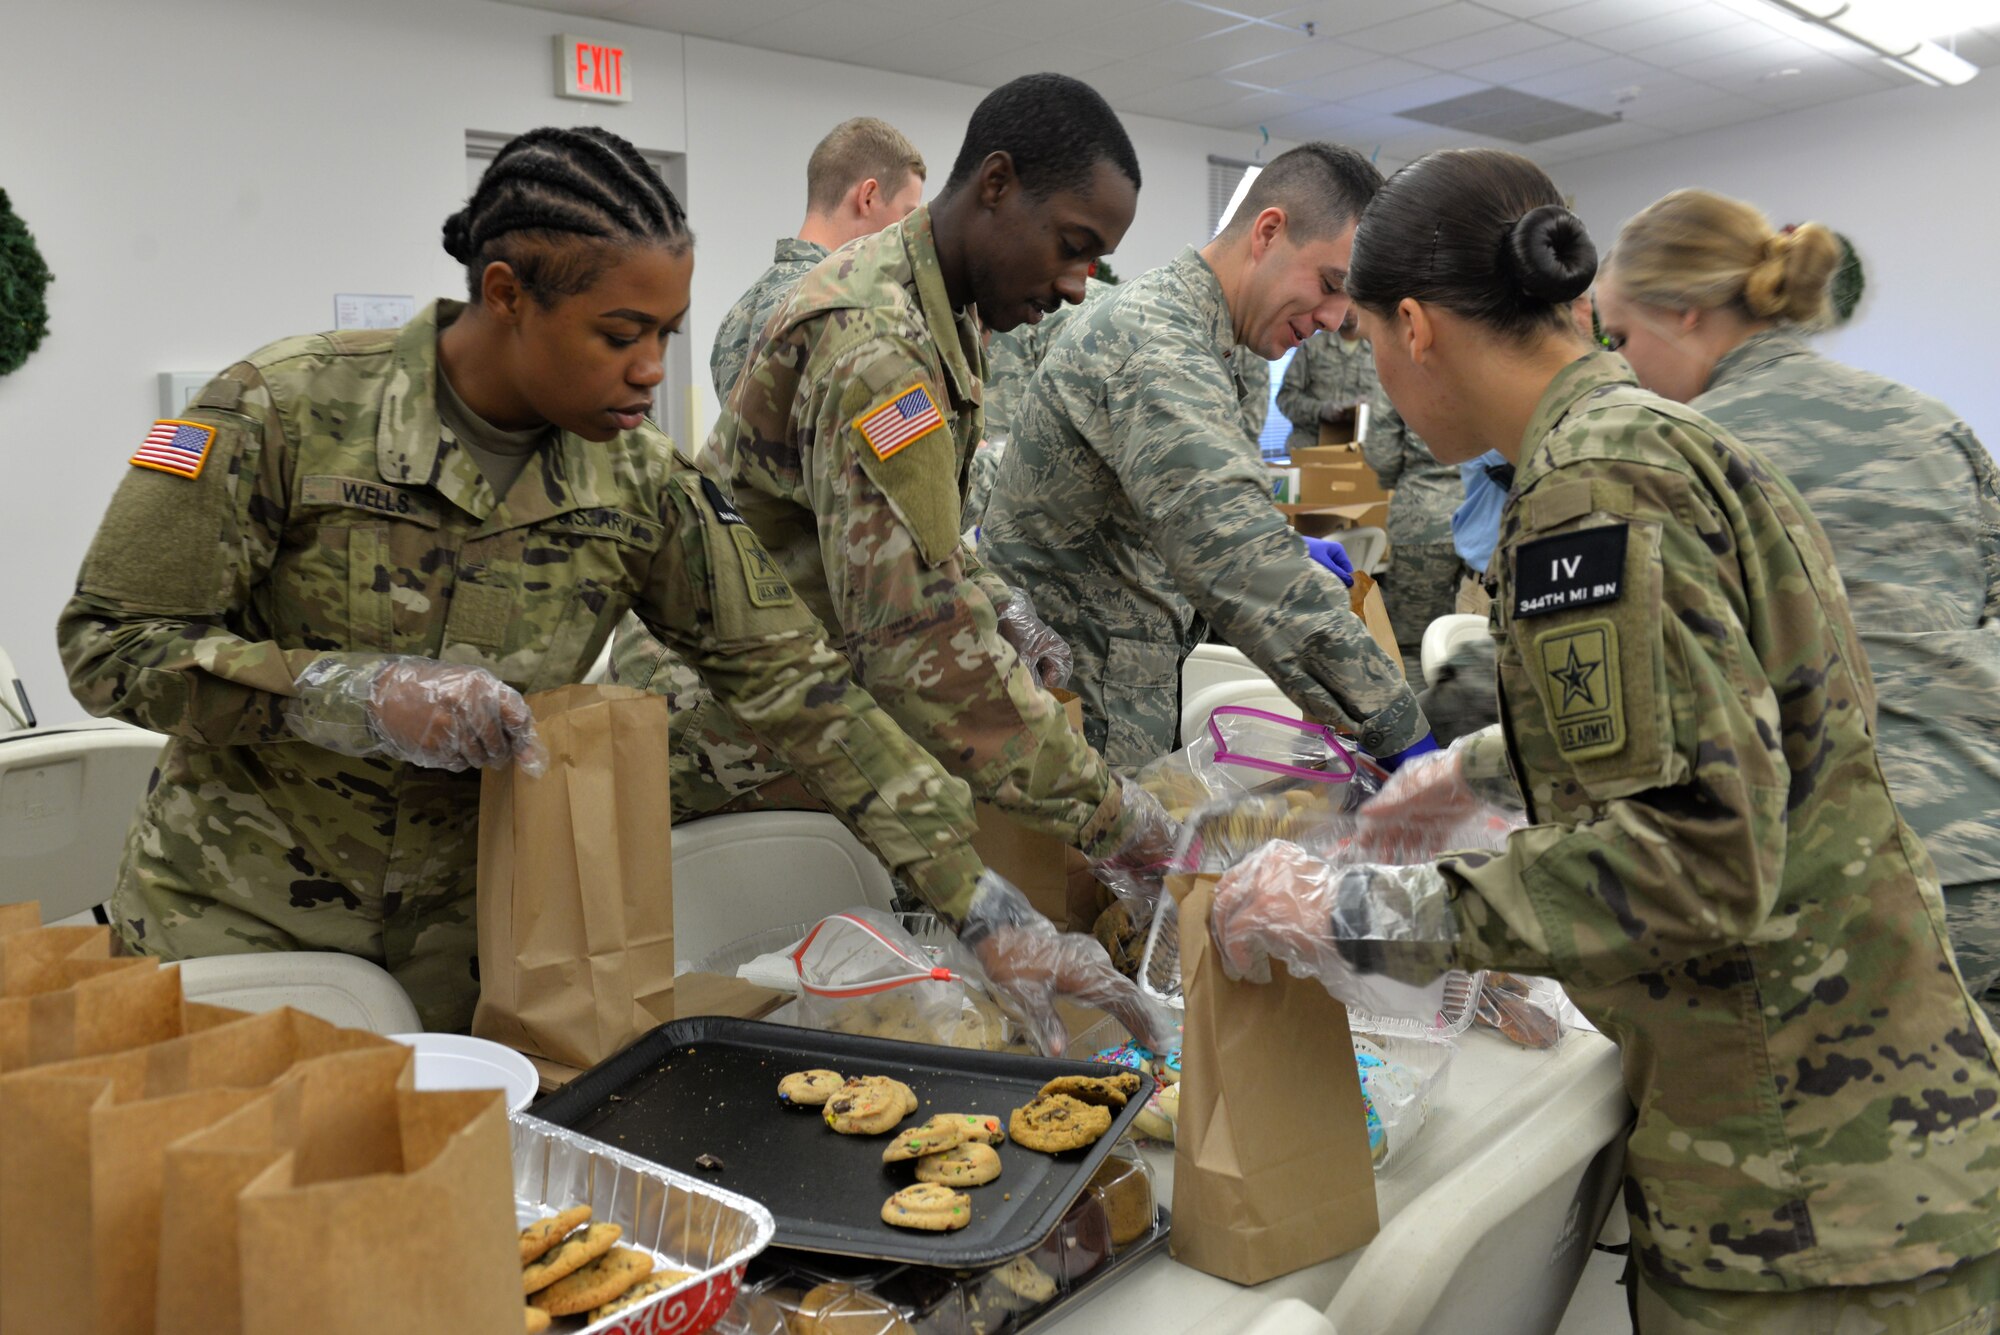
(455, 1061)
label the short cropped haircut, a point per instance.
(859, 150)
(1055, 128)
(1321, 187)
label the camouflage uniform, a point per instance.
(1011, 358)
(979, 482)
(1326, 370)
(334, 515)
(793, 260)
(871, 540)
(1253, 380)
(1718, 874)
(1132, 506)
(1420, 583)
(1910, 500)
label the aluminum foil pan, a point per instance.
(686, 1223)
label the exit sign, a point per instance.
(594, 71)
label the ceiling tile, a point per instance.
(1230, 47)
(1254, 109)
(1319, 56)
(1141, 32)
(931, 9)
(1358, 80)
(1534, 64)
(1711, 111)
(832, 31)
(1418, 93)
(1751, 61)
(1701, 21)
(1174, 99)
(1597, 15)
(1821, 82)
(1124, 78)
(1981, 48)
(1589, 143)
(711, 18)
(998, 66)
(1323, 120)
(1053, 20)
(1704, 46)
(1332, 18)
(1525, 9)
(1426, 28)
(1249, 9)
(1611, 72)
(1482, 47)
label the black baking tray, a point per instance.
(708, 1085)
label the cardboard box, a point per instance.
(1350, 425)
(1038, 863)
(1320, 521)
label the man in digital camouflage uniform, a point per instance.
(861, 178)
(847, 446)
(1133, 506)
(1331, 371)
(1910, 500)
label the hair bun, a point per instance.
(458, 238)
(1549, 254)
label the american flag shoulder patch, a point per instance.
(890, 426)
(176, 447)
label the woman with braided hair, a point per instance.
(332, 579)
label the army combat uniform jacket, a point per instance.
(1717, 872)
(1129, 501)
(792, 260)
(847, 443)
(332, 515)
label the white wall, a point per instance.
(1906, 174)
(203, 176)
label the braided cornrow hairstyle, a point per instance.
(555, 203)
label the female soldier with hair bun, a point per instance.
(1714, 867)
(331, 582)
(1709, 304)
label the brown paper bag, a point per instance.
(89, 1007)
(19, 918)
(1038, 864)
(1271, 1164)
(1366, 599)
(82, 1145)
(576, 883)
(341, 1200)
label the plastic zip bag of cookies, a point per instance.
(860, 972)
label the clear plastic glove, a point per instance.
(1136, 868)
(1333, 556)
(1340, 925)
(417, 710)
(1031, 964)
(1425, 804)
(1039, 647)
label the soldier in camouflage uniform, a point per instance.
(1132, 505)
(329, 583)
(1908, 497)
(1330, 371)
(862, 177)
(1715, 870)
(1420, 583)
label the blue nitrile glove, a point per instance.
(1333, 556)
(1422, 747)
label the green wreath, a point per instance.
(1849, 282)
(24, 278)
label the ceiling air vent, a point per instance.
(1502, 113)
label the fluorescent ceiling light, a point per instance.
(1250, 174)
(1895, 31)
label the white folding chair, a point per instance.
(1212, 663)
(67, 797)
(1367, 548)
(1262, 693)
(744, 873)
(1444, 635)
(340, 989)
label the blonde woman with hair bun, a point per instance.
(1707, 302)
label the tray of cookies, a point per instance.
(861, 1146)
(1111, 1227)
(614, 1245)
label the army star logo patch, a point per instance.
(1579, 669)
